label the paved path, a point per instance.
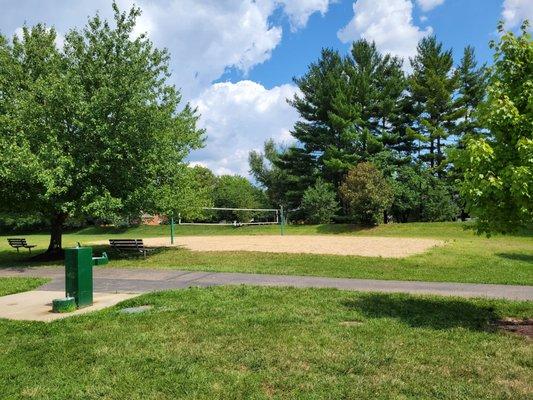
(122, 280)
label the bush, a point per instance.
(366, 193)
(319, 203)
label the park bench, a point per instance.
(20, 242)
(129, 246)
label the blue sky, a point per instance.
(456, 23)
(235, 59)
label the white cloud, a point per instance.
(389, 23)
(516, 11)
(204, 38)
(427, 5)
(239, 117)
(299, 11)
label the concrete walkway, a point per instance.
(122, 280)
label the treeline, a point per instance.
(372, 142)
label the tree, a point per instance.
(498, 170)
(186, 192)
(319, 203)
(431, 87)
(367, 193)
(349, 108)
(233, 191)
(90, 130)
(420, 196)
(299, 172)
(472, 89)
(265, 168)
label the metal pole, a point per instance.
(282, 220)
(172, 230)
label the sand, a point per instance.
(317, 244)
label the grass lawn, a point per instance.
(465, 258)
(16, 285)
(254, 343)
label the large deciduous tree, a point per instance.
(92, 129)
(498, 169)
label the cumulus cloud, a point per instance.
(427, 5)
(516, 11)
(204, 37)
(299, 11)
(389, 23)
(239, 117)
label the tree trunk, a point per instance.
(432, 153)
(55, 248)
(439, 157)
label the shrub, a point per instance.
(319, 203)
(366, 193)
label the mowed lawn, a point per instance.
(466, 257)
(260, 343)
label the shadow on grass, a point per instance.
(341, 228)
(22, 260)
(517, 257)
(425, 312)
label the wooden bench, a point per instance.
(20, 242)
(129, 245)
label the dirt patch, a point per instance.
(317, 244)
(522, 327)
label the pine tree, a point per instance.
(350, 108)
(472, 89)
(432, 85)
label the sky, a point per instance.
(235, 60)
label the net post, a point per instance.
(281, 220)
(172, 229)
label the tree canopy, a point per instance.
(498, 168)
(91, 129)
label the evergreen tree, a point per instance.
(264, 167)
(472, 89)
(350, 108)
(300, 172)
(432, 85)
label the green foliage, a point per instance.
(472, 91)
(420, 196)
(265, 168)
(431, 88)
(367, 193)
(498, 170)
(92, 129)
(349, 108)
(186, 192)
(233, 191)
(319, 203)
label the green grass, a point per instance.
(466, 257)
(258, 343)
(16, 285)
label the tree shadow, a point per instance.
(341, 228)
(517, 257)
(420, 312)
